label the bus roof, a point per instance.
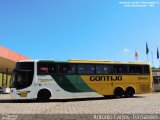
(104, 62)
(87, 61)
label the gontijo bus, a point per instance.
(48, 79)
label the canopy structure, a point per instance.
(8, 59)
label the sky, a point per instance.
(80, 29)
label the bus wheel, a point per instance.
(44, 95)
(118, 92)
(130, 92)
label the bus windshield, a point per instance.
(23, 75)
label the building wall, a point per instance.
(8, 58)
(156, 79)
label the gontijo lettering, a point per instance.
(105, 78)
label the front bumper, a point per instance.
(21, 94)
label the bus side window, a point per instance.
(51, 68)
(86, 69)
(43, 70)
(132, 69)
(139, 69)
(71, 69)
(120, 69)
(62, 68)
(135, 69)
(104, 69)
(46, 68)
(67, 68)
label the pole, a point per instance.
(152, 59)
(11, 81)
(2, 79)
(153, 89)
(6, 77)
(147, 58)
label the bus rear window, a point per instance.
(146, 69)
(139, 69)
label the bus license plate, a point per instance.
(23, 94)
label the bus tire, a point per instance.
(118, 92)
(130, 92)
(44, 95)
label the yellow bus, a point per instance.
(48, 79)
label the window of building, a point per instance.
(156, 79)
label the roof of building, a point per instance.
(8, 59)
